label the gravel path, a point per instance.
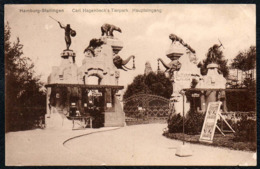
(145, 145)
(131, 145)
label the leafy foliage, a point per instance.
(193, 123)
(246, 60)
(246, 130)
(175, 122)
(22, 87)
(157, 84)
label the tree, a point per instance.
(218, 59)
(137, 86)
(157, 84)
(22, 86)
(245, 61)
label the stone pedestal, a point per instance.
(181, 79)
(67, 54)
(175, 51)
(114, 116)
(101, 65)
(67, 72)
(183, 151)
(115, 43)
(68, 86)
(213, 80)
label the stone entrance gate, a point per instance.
(146, 108)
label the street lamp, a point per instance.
(183, 150)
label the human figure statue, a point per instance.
(68, 32)
(212, 53)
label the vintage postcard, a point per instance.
(130, 84)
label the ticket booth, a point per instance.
(78, 100)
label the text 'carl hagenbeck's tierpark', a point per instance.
(116, 10)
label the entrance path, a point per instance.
(145, 145)
(131, 145)
(45, 147)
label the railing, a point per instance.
(146, 108)
(235, 116)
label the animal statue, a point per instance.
(93, 44)
(120, 63)
(174, 38)
(108, 29)
(174, 65)
(90, 52)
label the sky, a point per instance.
(144, 34)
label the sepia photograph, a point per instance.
(130, 84)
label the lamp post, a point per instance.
(184, 149)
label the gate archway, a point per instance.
(146, 108)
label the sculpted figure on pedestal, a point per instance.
(174, 65)
(68, 32)
(93, 44)
(120, 63)
(108, 29)
(213, 52)
(174, 38)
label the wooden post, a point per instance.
(183, 112)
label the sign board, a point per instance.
(97, 94)
(195, 95)
(210, 122)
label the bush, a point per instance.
(245, 130)
(241, 100)
(175, 123)
(193, 123)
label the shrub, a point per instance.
(193, 123)
(245, 130)
(175, 123)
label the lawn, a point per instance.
(219, 140)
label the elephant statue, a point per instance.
(120, 63)
(174, 65)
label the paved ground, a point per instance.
(44, 147)
(131, 145)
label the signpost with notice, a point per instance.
(210, 122)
